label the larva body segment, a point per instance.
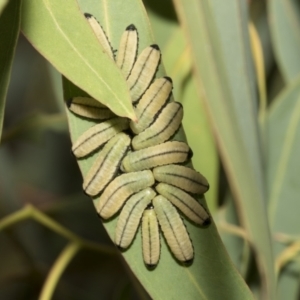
(183, 177)
(100, 34)
(150, 238)
(130, 216)
(89, 108)
(163, 154)
(151, 103)
(173, 229)
(127, 51)
(143, 72)
(185, 203)
(106, 164)
(98, 135)
(165, 126)
(120, 189)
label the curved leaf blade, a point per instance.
(59, 31)
(9, 32)
(212, 265)
(218, 35)
(285, 33)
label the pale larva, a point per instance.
(183, 177)
(120, 189)
(173, 229)
(150, 238)
(130, 216)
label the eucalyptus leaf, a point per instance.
(284, 21)
(212, 266)
(283, 128)
(218, 34)
(60, 32)
(9, 32)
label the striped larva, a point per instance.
(165, 126)
(100, 34)
(173, 229)
(151, 103)
(185, 203)
(127, 51)
(106, 164)
(183, 177)
(89, 108)
(143, 72)
(163, 154)
(150, 238)
(98, 135)
(120, 189)
(130, 216)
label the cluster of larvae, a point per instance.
(138, 168)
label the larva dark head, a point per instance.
(190, 154)
(150, 206)
(131, 27)
(207, 187)
(88, 16)
(179, 104)
(168, 78)
(207, 222)
(188, 262)
(99, 216)
(86, 193)
(154, 46)
(69, 102)
(120, 248)
(150, 266)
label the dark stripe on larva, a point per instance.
(188, 178)
(90, 137)
(153, 98)
(128, 217)
(170, 224)
(103, 161)
(115, 191)
(126, 44)
(185, 203)
(159, 154)
(166, 125)
(150, 248)
(143, 67)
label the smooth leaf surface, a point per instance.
(211, 266)
(218, 34)
(283, 128)
(9, 32)
(284, 21)
(60, 32)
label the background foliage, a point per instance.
(235, 67)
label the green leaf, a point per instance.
(3, 4)
(59, 31)
(218, 35)
(212, 266)
(285, 32)
(9, 32)
(283, 127)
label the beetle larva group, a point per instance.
(138, 168)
